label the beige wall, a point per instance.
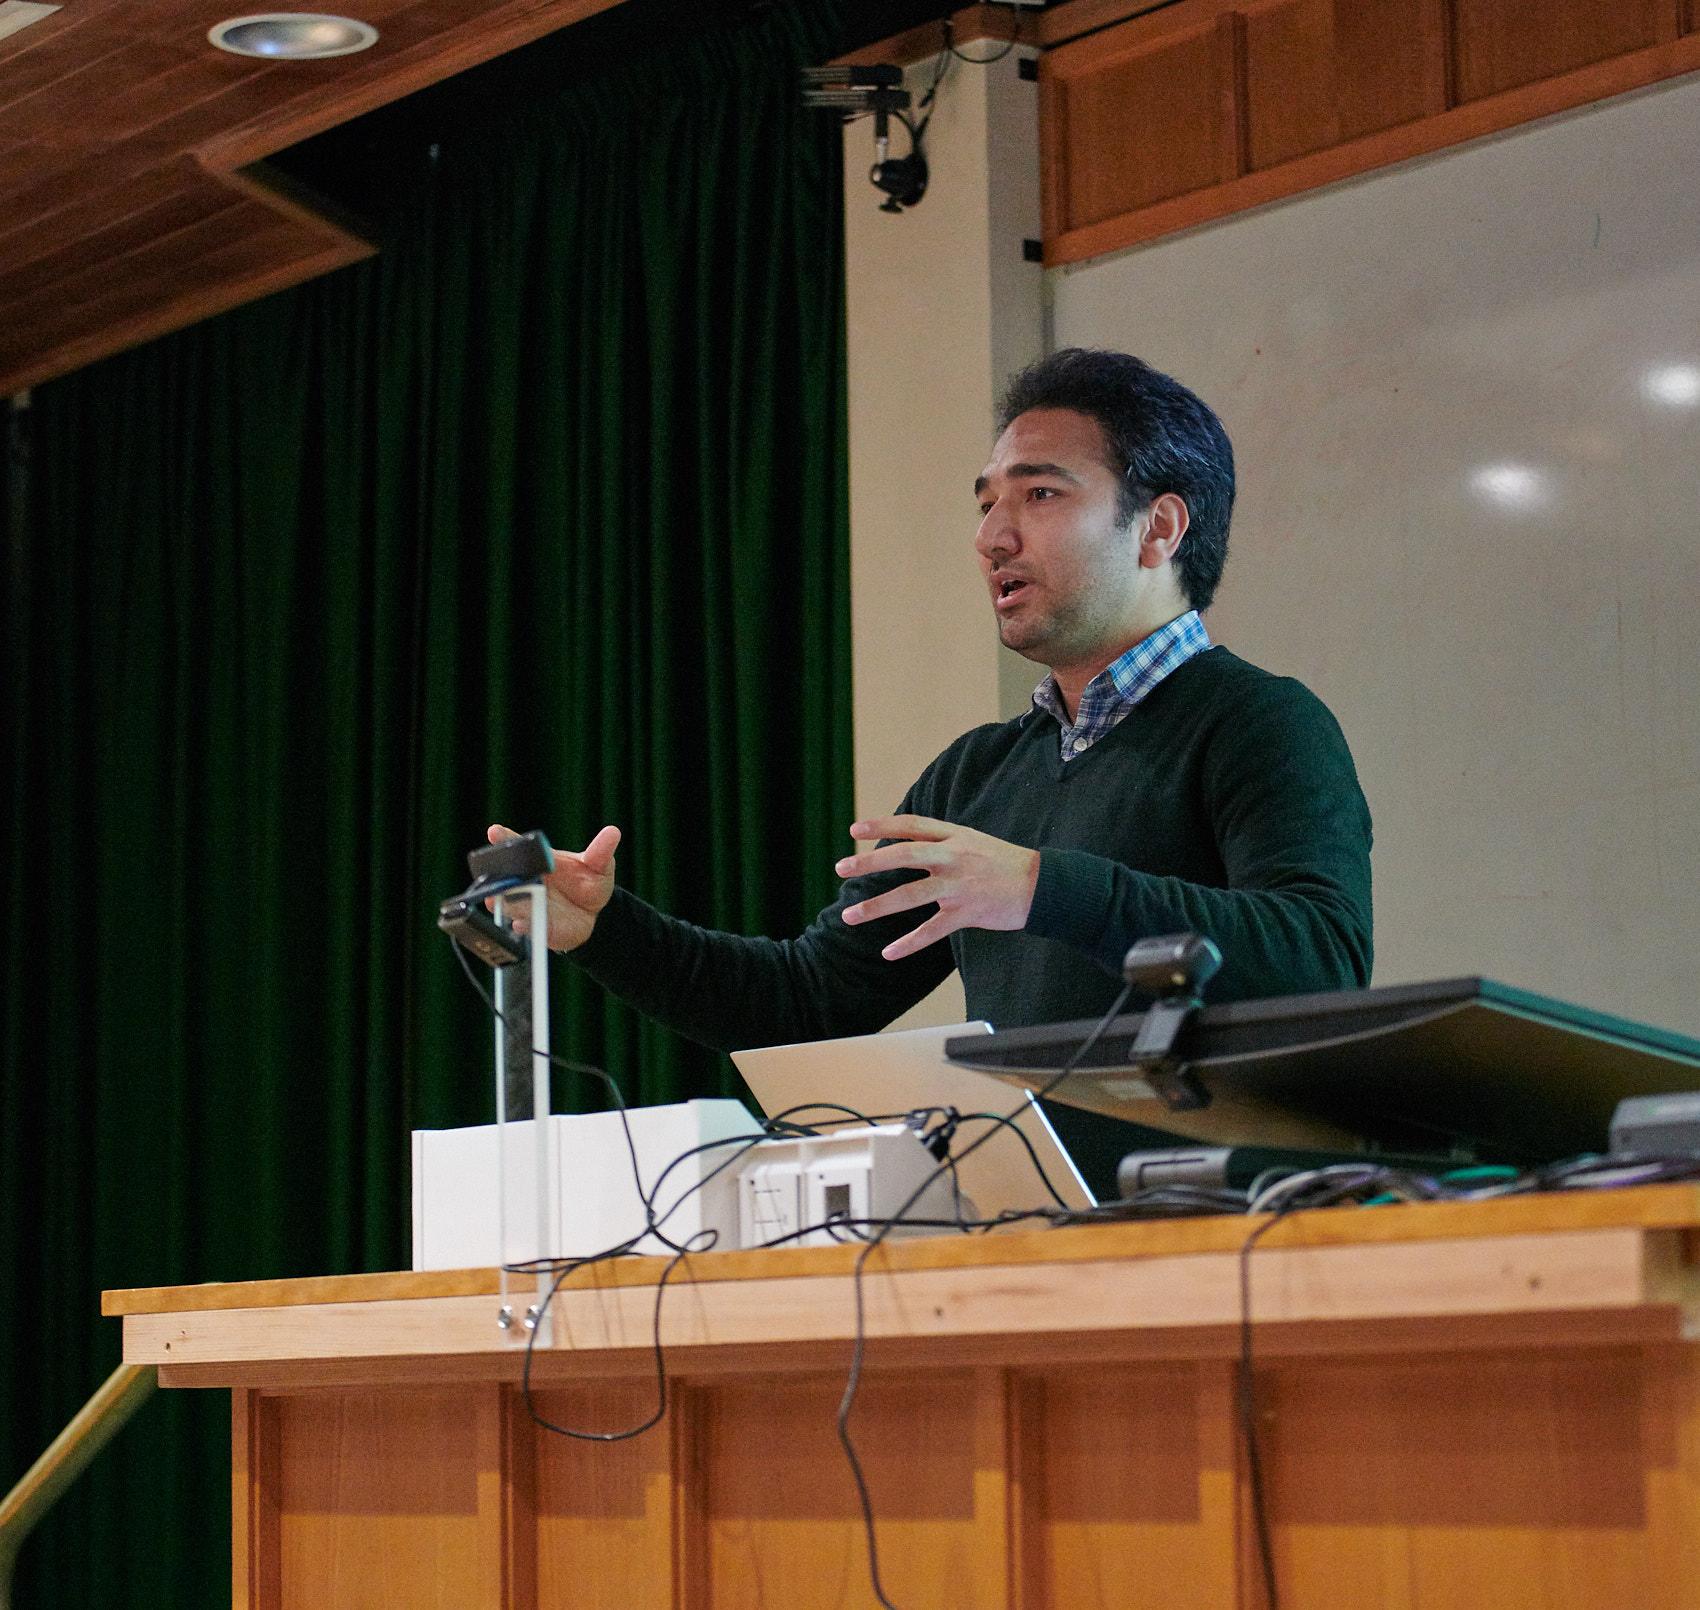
(1464, 396)
(942, 308)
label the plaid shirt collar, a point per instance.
(1115, 690)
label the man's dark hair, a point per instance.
(1160, 438)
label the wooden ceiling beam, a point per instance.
(125, 208)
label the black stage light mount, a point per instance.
(855, 91)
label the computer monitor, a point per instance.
(1464, 1066)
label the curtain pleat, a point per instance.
(538, 516)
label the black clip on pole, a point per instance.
(1175, 968)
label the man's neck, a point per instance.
(1072, 680)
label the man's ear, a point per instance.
(1165, 524)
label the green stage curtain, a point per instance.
(538, 517)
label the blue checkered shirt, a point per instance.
(1115, 690)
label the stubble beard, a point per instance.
(1047, 641)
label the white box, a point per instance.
(863, 1175)
(591, 1201)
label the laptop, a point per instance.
(886, 1076)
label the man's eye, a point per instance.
(985, 509)
(1042, 491)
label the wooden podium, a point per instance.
(1492, 1405)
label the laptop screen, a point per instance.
(885, 1076)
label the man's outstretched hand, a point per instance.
(579, 887)
(976, 881)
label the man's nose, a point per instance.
(999, 535)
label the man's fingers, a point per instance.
(906, 897)
(890, 858)
(901, 827)
(930, 932)
(497, 834)
(598, 855)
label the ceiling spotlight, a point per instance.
(292, 36)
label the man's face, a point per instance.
(1062, 567)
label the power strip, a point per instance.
(793, 1190)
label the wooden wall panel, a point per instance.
(1504, 44)
(1202, 108)
(255, 1478)
(1524, 1480)
(1319, 72)
(1128, 139)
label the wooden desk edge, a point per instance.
(1651, 1207)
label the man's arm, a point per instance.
(729, 991)
(725, 990)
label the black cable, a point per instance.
(859, 1347)
(1246, 1402)
(660, 1355)
(982, 61)
(1159, 1202)
(947, 51)
(650, 1228)
(653, 1222)
(1010, 1122)
(850, 1115)
(940, 67)
(1321, 1187)
(842, 1222)
(561, 1062)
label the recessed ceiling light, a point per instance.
(292, 36)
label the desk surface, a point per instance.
(1610, 1266)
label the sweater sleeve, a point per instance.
(730, 991)
(1293, 832)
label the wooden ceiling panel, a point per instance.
(77, 193)
(240, 248)
(111, 94)
(94, 232)
(22, 166)
(124, 210)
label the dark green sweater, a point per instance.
(1225, 803)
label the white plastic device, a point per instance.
(860, 1175)
(589, 1194)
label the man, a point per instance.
(1158, 784)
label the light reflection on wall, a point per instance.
(1675, 385)
(1511, 486)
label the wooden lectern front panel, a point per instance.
(1562, 1479)
(1484, 1482)
(603, 1512)
(1129, 1482)
(778, 1520)
(370, 1499)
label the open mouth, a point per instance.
(1010, 589)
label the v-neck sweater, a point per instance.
(1225, 803)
